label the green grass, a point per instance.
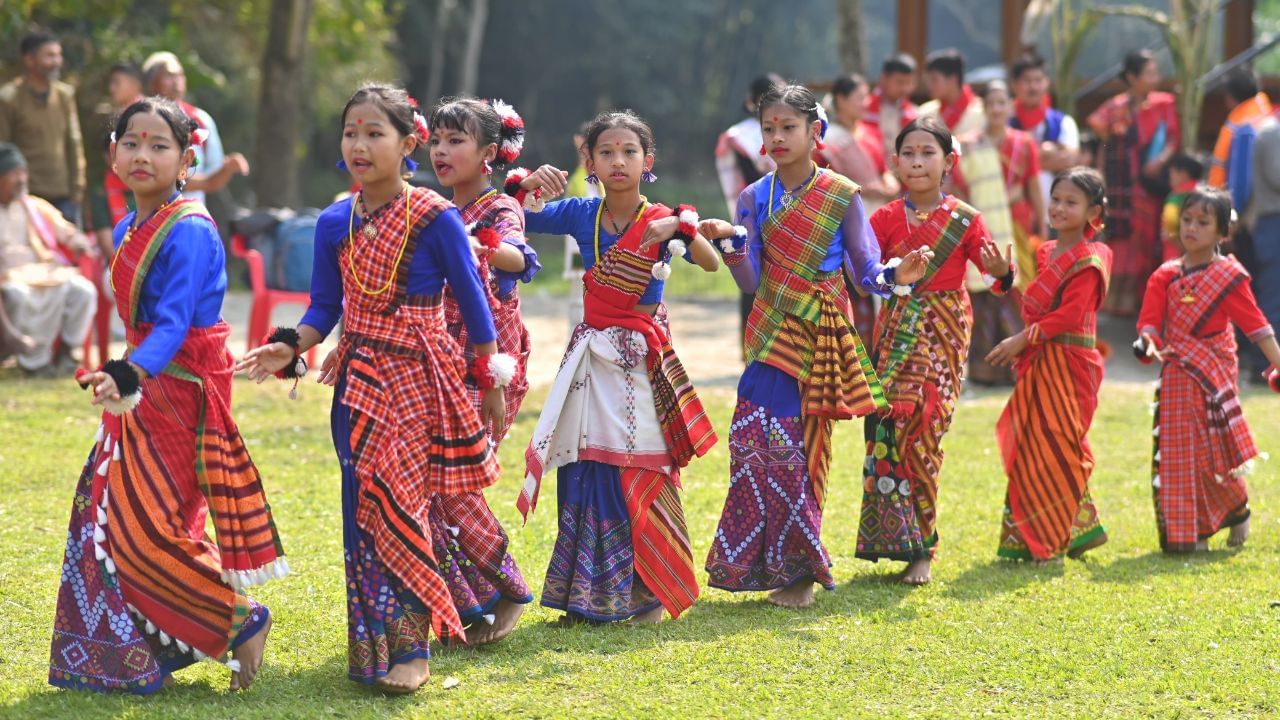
(1130, 633)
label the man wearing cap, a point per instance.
(166, 77)
(38, 114)
(45, 296)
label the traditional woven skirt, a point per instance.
(143, 589)
(471, 549)
(1044, 445)
(1194, 492)
(620, 517)
(769, 531)
(904, 448)
(386, 624)
(592, 571)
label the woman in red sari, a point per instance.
(1139, 133)
(1203, 447)
(1042, 432)
(921, 343)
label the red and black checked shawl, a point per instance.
(413, 432)
(505, 215)
(1043, 430)
(156, 461)
(1203, 440)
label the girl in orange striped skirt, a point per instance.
(1043, 430)
(144, 590)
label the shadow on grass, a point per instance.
(998, 576)
(1137, 568)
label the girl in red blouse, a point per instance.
(1203, 448)
(1043, 430)
(920, 346)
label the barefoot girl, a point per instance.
(1203, 448)
(1043, 430)
(469, 138)
(144, 590)
(806, 367)
(621, 419)
(403, 426)
(922, 340)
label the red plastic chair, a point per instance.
(264, 298)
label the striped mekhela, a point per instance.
(922, 343)
(1043, 430)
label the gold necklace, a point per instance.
(128, 235)
(351, 245)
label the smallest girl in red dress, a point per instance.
(1203, 448)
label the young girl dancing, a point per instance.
(806, 367)
(403, 426)
(622, 418)
(1203, 447)
(922, 341)
(469, 138)
(1043, 431)
(144, 590)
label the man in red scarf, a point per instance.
(953, 99)
(1056, 131)
(889, 107)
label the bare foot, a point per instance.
(919, 572)
(1056, 560)
(250, 656)
(652, 617)
(1202, 546)
(1239, 533)
(404, 678)
(505, 615)
(168, 682)
(1077, 553)
(798, 594)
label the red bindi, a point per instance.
(144, 134)
(359, 121)
(776, 118)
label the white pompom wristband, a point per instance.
(885, 278)
(493, 371)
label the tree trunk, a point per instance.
(439, 44)
(852, 37)
(282, 103)
(470, 69)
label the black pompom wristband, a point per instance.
(125, 377)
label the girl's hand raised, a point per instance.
(551, 180)
(914, 265)
(996, 264)
(659, 231)
(264, 362)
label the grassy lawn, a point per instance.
(1129, 633)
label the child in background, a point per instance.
(1203, 447)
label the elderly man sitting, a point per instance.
(45, 296)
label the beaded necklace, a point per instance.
(789, 196)
(644, 203)
(128, 234)
(351, 245)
